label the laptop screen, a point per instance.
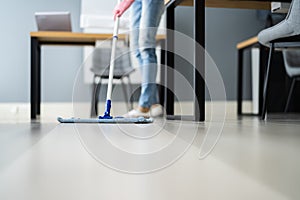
(53, 21)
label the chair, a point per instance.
(271, 19)
(290, 64)
(100, 68)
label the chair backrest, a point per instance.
(101, 61)
(291, 59)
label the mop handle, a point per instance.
(112, 58)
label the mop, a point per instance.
(107, 118)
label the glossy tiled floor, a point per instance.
(251, 160)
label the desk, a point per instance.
(241, 47)
(199, 37)
(57, 38)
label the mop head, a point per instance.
(116, 120)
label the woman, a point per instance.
(144, 20)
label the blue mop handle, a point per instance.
(112, 66)
(112, 59)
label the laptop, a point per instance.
(53, 21)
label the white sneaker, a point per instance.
(137, 113)
(155, 111)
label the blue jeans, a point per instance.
(145, 17)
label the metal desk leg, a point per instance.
(35, 77)
(240, 82)
(162, 73)
(199, 73)
(170, 14)
(38, 110)
(240, 76)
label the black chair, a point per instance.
(281, 43)
(292, 66)
(100, 67)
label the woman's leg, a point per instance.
(150, 18)
(135, 18)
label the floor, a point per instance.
(236, 158)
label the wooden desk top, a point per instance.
(52, 36)
(242, 4)
(247, 43)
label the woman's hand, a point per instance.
(122, 7)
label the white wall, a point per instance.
(60, 64)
